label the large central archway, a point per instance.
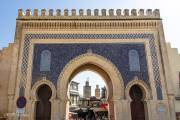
(101, 65)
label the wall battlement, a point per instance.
(111, 13)
(5, 50)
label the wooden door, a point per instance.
(137, 105)
(43, 106)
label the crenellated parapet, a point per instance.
(85, 19)
(5, 50)
(111, 13)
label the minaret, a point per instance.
(87, 89)
(97, 91)
(103, 92)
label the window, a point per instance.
(75, 87)
(134, 61)
(45, 62)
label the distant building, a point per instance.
(89, 102)
(87, 90)
(97, 91)
(103, 92)
(74, 94)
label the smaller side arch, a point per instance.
(144, 87)
(38, 84)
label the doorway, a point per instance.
(43, 105)
(112, 77)
(88, 96)
(137, 104)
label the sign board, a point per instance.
(161, 109)
(20, 110)
(21, 102)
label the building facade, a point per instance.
(74, 94)
(174, 60)
(127, 48)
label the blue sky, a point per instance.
(169, 12)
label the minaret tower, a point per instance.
(87, 89)
(103, 92)
(97, 91)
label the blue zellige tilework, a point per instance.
(126, 74)
(116, 53)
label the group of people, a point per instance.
(89, 115)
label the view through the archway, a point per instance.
(88, 97)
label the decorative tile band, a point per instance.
(149, 37)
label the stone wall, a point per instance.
(5, 69)
(174, 60)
